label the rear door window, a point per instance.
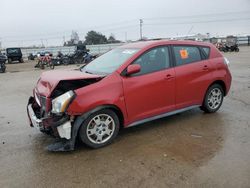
(186, 54)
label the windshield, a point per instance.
(109, 62)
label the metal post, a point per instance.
(141, 21)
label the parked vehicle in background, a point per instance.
(224, 47)
(45, 60)
(3, 59)
(234, 48)
(31, 56)
(88, 57)
(79, 57)
(127, 86)
(14, 54)
(76, 58)
(58, 60)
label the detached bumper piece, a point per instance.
(58, 126)
(35, 122)
(62, 145)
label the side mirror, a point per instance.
(134, 68)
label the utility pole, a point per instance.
(42, 43)
(141, 22)
(63, 40)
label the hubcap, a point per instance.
(100, 128)
(214, 98)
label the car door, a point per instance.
(151, 91)
(192, 75)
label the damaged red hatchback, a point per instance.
(127, 86)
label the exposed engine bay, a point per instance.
(67, 85)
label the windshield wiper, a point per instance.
(89, 72)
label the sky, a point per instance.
(33, 22)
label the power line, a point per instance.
(122, 25)
(193, 22)
(111, 25)
(198, 15)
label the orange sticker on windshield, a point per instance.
(184, 54)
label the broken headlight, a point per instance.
(61, 103)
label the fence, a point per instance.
(102, 48)
(94, 49)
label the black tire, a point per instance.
(84, 127)
(237, 50)
(21, 60)
(42, 65)
(65, 62)
(2, 70)
(207, 103)
(9, 60)
(51, 65)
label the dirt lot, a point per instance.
(191, 149)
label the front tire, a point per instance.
(100, 128)
(213, 99)
(51, 65)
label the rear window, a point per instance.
(186, 54)
(13, 50)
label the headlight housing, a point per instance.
(61, 103)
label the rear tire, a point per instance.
(100, 128)
(21, 60)
(9, 60)
(2, 70)
(213, 99)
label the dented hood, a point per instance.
(50, 79)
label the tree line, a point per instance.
(92, 37)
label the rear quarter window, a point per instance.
(186, 54)
(206, 51)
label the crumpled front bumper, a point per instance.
(59, 126)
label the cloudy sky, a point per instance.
(27, 22)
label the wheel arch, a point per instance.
(118, 112)
(81, 118)
(221, 83)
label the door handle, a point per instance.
(169, 77)
(205, 67)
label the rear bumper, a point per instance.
(15, 58)
(228, 82)
(58, 126)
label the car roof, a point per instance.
(12, 48)
(152, 43)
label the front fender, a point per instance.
(69, 145)
(108, 91)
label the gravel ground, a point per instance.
(191, 149)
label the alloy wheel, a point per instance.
(100, 128)
(215, 98)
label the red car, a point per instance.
(127, 86)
